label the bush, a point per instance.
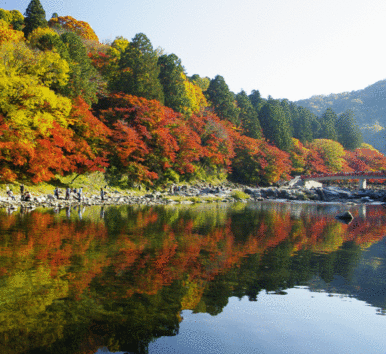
(239, 195)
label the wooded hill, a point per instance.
(70, 104)
(368, 106)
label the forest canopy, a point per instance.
(72, 104)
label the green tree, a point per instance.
(348, 132)
(285, 105)
(201, 82)
(35, 17)
(275, 125)
(256, 100)
(328, 125)
(171, 77)
(223, 100)
(83, 76)
(13, 17)
(248, 116)
(139, 70)
(302, 122)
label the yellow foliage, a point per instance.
(331, 151)
(11, 16)
(28, 105)
(47, 67)
(298, 155)
(26, 100)
(7, 34)
(119, 45)
(368, 146)
(196, 98)
(39, 32)
(6, 15)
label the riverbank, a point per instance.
(184, 194)
(199, 193)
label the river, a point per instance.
(264, 277)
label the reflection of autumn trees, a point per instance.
(139, 267)
(151, 248)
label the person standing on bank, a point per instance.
(80, 194)
(68, 192)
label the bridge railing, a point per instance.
(354, 175)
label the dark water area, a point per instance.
(263, 277)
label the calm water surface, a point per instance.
(245, 278)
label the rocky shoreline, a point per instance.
(320, 194)
(203, 194)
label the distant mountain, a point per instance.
(368, 105)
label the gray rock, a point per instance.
(296, 182)
(312, 184)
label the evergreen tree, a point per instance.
(83, 75)
(348, 132)
(171, 77)
(285, 104)
(328, 125)
(248, 116)
(223, 100)
(139, 72)
(35, 17)
(302, 123)
(256, 100)
(275, 125)
(201, 82)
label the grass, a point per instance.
(239, 195)
(179, 198)
(93, 182)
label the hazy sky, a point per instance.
(284, 48)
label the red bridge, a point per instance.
(362, 176)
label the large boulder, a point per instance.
(296, 182)
(309, 184)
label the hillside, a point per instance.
(369, 106)
(71, 106)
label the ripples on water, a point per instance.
(258, 277)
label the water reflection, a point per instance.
(73, 281)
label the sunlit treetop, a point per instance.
(81, 28)
(36, 35)
(201, 82)
(118, 46)
(13, 17)
(368, 146)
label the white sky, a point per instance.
(284, 48)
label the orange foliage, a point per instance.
(7, 34)
(39, 156)
(69, 23)
(365, 159)
(307, 160)
(149, 138)
(258, 162)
